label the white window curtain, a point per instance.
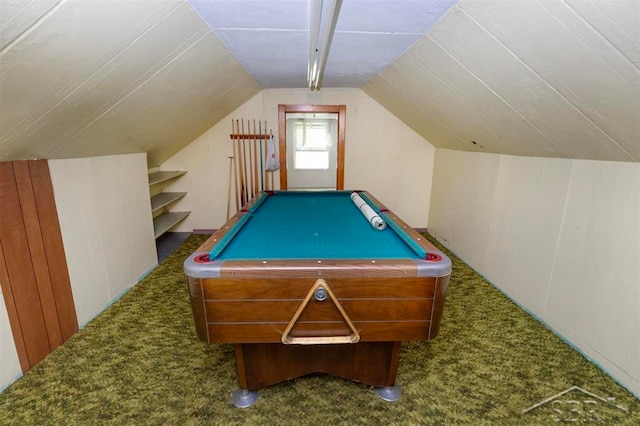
(313, 139)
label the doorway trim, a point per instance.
(341, 110)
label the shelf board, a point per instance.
(166, 221)
(164, 199)
(162, 176)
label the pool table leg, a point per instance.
(243, 398)
(389, 393)
(261, 365)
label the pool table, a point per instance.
(301, 282)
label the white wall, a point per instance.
(560, 237)
(105, 217)
(10, 368)
(104, 211)
(382, 155)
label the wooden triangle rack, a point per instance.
(321, 291)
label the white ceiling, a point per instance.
(271, 38)
(82, 78)
(549, 78)
(552, 78)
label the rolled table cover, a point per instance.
(376, 221)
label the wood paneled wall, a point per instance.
(33, 269)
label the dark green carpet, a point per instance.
(140, 363)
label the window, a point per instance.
(312, 141)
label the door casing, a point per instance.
(341, 110)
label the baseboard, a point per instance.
(148, 270)
(204, 231)
(4, 386)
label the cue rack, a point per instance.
(247, 165)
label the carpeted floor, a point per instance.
(140, 363)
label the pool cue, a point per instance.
(229, 188)
(273, 185)
(244, 165)
(235, 168)
(233, 148)
(237, 156)
(266, 172)
(261, 164)
(255, 158)
(250, 168)
(235, 179)
(254, 162)
(241, 164)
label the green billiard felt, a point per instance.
(312, 225)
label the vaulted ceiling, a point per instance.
(271, 38)
(556, 78)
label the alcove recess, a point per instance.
(163, 218)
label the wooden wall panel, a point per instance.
(54, 248)
(29, 322)
(37, 252)
(35, 283)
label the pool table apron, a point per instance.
(255, 312)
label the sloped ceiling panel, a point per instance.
(271, 38)
(370, 35)
(17, 16)
(555, 79)
(94, 78)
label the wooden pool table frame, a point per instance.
(251, 303)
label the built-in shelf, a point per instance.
(163, 199)
(166, 221)
(162, 176)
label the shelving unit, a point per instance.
(166, 221)
(163, 199)
(163, 176)
(163, 219)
